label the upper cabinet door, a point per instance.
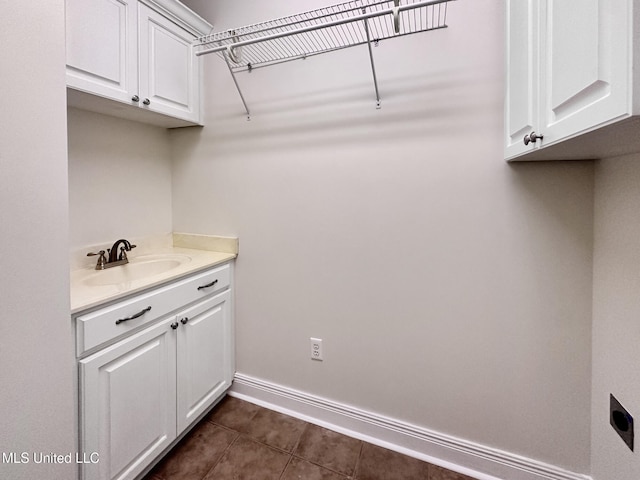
(169, 69)
(521, 102)
(584, 66)
(102, 47)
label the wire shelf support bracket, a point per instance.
(235, 81)
(357, 22)
(373, 66)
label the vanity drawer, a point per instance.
(108, 323)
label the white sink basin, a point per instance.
(141, 267)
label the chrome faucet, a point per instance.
(115, 258)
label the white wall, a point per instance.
(616, 309)
(119, 179)
(36, 352)
(452, 291)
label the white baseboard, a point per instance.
(472, 459)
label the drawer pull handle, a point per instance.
(132, 317)
(208, 285)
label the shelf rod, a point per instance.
(373, 67)
(312, 28)
(226, 59)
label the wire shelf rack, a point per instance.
(349, 24)
(322, 30)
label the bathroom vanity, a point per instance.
(153, 356)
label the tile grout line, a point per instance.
(244, 429)
(256, 440)
(248, 436)
(355, 468)
(293, 449)
(223, 453)
(324, 467)
(285, 467)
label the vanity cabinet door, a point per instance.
(169, 69)
(205, 356)
(128, 403)
(102, 55)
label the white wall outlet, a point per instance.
(316, 349)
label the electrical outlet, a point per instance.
(621, 421)
(316, 349)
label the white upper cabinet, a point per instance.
(101, 47)
(134, 59)
(584, 66)
(522, 73)
(568, 74)
(169, 70)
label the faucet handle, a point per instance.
(124, 250)
(101, 259)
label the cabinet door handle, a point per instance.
(135, 98)
(184, 320)
(132, 317)
(146, 101)
(532, 138)
(174, 325)
(208, 285)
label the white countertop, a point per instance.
(85, 293)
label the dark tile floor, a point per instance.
(242, 441)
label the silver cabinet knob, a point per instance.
(532, 137)
(146, 101)
(135, 98)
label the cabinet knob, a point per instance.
(174, 325)
(184, 320)
(135, 98)
(146, 101)
(532, 138)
